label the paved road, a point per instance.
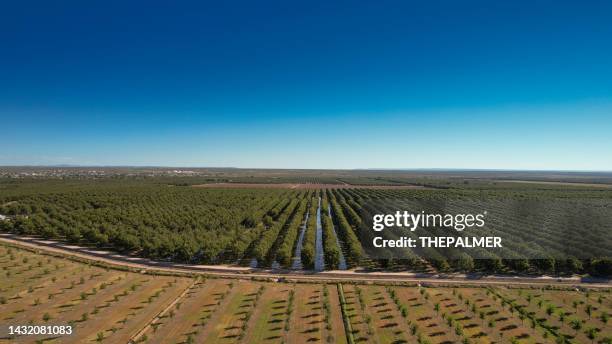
(339, 276)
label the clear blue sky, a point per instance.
(405, 84)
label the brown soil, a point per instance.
(306, 321)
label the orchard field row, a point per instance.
(104, 305)
(313, 229)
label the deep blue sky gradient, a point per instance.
(385, 84)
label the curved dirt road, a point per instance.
(112, 258)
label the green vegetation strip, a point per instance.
(348, 329)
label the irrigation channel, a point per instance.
(319, 263)
(297, 256)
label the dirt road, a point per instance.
(112, 258)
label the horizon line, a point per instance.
(433, 169)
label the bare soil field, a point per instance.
(267, 322)
(105, 305)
